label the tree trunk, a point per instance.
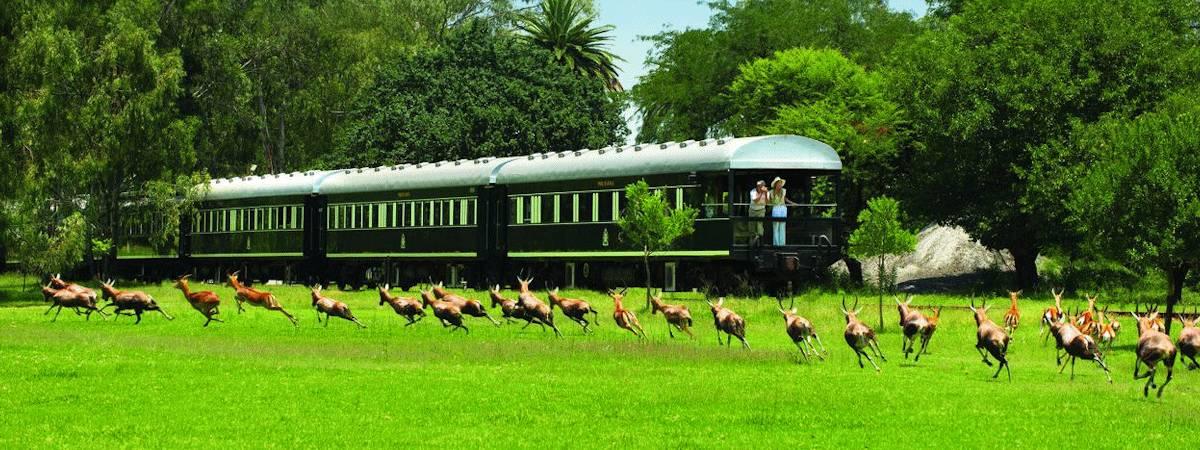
(1025, 262)
(646, 264)
(879, 277)
(1175, 278)
(854, 266)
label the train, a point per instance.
(482, 221)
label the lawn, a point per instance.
(255, 381)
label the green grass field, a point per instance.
(256, 381)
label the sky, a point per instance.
(633, 18)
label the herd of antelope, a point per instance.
(1082, 334)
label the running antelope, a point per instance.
(1153, 347)
(1087, 320)
(1080, 345)
(509, 309)
(1012, 317)
(677, 316)
(66, 298)
(728, 322)
(575, 309)
(136, 301)
(914, 325)
(331, 307)
(991, 338)
(467, 306)
(535, 311)
(405, 307)
(800, 330)
(206, 302)
(933, 324)
(1109, 330)
(1052, 314)
(448, 313)
(1189, 340)
(258, 298)
(624, 317)
(860, 336)
(57, 282)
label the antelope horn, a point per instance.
(792, 303)
(626, 288)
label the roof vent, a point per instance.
(637, 148)
(703, 142)
(562, 154)
(684, 144)
(663, 146)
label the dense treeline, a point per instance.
(100, 100)
(1039, 126)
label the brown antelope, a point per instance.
(535, 310)
(446, 312)
(469, 307)
(405, 307)
(1086, 322)
(331, 307)
(67, 298)
(258, 298)
(860, 336)
(57, 282)
(914, 324)
(624, 317)
(728, 322)
(677, 316)
(1052, 314)
(1109, 330)
(207, 302)
(136, 301)
(933, 324)
(48, 295)
(1189, 340)
(991, 338)
(1012, 317)
(509, 309)
(575, 309)
(1080, 345)
(1153, 347)
(800, 330)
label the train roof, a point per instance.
(406, 177)
(776, 152)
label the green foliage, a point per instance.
(43, 235)
(881, 232)
(682, 96)
(564, 27)
(991, 84)
(484, 93)
(649, 222)
(1138, 197)
(825, 96)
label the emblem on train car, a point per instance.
(403, 241)
(604, 238)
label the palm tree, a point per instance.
(565, 28)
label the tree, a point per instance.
(683, 94)
(1001, 77)
(483, 93)
(825, 96)
(1137, 197)
(880, 233)
(652, 224)
(564, 27)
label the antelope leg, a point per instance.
(984, 355)
(1072, 368)
(56, 313)
(872, 361)
(139, 317)
(818, 337)
(1170, 374)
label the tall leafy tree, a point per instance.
(651, 224)
(880, 233)
(566, 28)
(682, 96)
(484, 93)
(824, 95)
(1003, 77)
(1137, 196)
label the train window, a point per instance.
(244, 218)
(679, 204)
(535, 209)
(463, 206)
(299, 222)
(603, 207)
(575, 207)
(447, 212)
